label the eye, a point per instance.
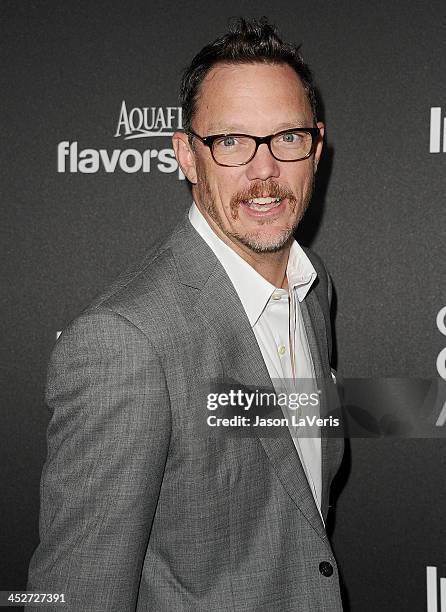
(228, 141)
(291, 137)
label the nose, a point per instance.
(263, 165)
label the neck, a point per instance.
(272, 266)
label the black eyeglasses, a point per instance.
(238, 149)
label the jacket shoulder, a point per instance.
(318, 264)
(323, 285)
(144, 275)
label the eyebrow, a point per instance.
(220, 128)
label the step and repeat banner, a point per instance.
(89, 182)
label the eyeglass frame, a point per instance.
(208, 141)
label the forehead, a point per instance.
(260, 96)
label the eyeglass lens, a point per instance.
(288, 146)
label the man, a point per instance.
(142, 506)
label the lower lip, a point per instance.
(260, 214)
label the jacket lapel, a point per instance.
(220, 309)
(315, 329)
(331, 447)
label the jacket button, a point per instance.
(325, 568)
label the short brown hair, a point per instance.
(247, 41)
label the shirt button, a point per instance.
(326, 568)
(281, 349)
(276, 295)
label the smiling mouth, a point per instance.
(262, 204)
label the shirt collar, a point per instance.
(253, 290)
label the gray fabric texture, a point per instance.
(141, 507)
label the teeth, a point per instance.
(263, 200)
(260, 207)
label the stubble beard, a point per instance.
(256, 242)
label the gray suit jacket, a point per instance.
(141, 509)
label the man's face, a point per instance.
(256, 99)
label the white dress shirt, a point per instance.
(276, 320)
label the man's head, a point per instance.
(249, 82)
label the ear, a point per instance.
(185, 156)
(319, 144)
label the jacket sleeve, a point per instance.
(108, 440)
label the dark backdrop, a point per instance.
(377, 219)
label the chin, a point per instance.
(267, 244)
